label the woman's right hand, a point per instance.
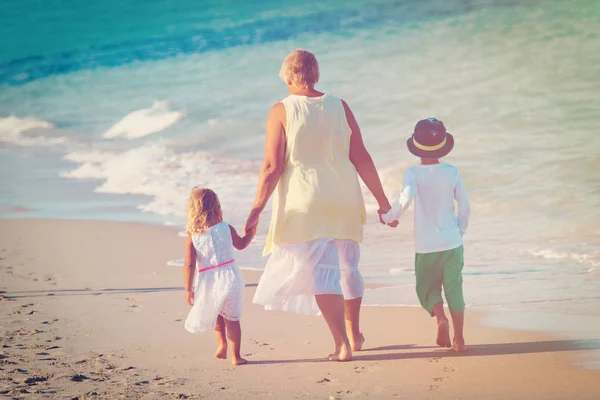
(252, 221)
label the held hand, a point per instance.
(380, 212)
(251, 233)
(251, 223)
(392, 224)
(189, 297)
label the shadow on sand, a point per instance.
(476, 350)
(91, 291)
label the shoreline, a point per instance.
(90, 309)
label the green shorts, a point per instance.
(434, 270)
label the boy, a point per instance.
(438, 230)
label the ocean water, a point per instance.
(114, 110)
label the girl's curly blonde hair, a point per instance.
(203, 208)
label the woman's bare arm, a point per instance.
(273, 163)
(360, 157)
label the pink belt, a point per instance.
(216, 266)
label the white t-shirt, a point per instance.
(439, 225)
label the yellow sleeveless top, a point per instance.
(318, 195)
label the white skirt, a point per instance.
(218, 291)
(296, 272)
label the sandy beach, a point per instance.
(90, 309)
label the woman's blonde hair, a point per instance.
(203, 208)
(301, 68)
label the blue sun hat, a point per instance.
(430, 139)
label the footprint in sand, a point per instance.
(79, 378)
(438, 379)
(259, 343)
(435, 359)
(324, 380)
(34, 380)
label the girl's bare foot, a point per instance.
(443, 336)
(221, 352)
(459, 345)
(239, 361)
(357, 343)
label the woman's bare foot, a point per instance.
(459, 345)
(343, 354)
(443, 336)
(221, 352)
(357, 343)
(239, 361)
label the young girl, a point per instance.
(218, 290)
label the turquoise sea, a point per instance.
(114, 110)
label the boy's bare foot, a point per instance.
(343, 354)
(443, 336)
(357, 343)
(459, 345)
(239, 361)
(221, 352)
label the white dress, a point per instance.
(217, 291)
(296, 272)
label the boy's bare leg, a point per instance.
(443, 335)
(332, 308)
(458, 321)
(352, 316)
(234, 336)
(221, 338)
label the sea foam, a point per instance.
(166, 176)
(17, 131)
(145, 122)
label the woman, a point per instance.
(313, 151)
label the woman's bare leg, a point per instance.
(332, 308)
(352, 316)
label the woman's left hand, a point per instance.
(392, 224)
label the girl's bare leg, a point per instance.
(352, 316)
(221, 338)
(332, 308)
(234, 336)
